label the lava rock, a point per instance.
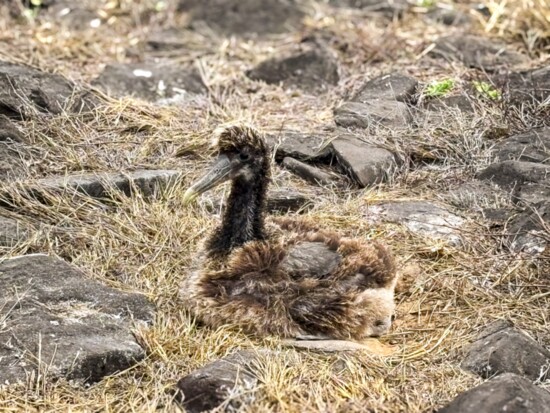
(449, 17)
(8, 131)
(477, 52)
(505, 393)
(54, 314)
(389, 8)
(98, 185)
(505, 349)
(527, 181)
(148, 81)
(387, 113)
(170, 39)
(309, 173)
(393, 86)
(245, 17)
(299, 145)
(12, 232)
(420, 217)
(287, 200)
(476, 195)
(531, 146)
(24, 90)
(525, 87)
(366, 164)
(312, 70)
(528, 230)
(213, 384)
(461, 102)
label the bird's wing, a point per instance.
(310, 259)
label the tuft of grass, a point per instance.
(439, 88)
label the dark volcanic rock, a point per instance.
(366, 164)
(531, 146)
(211, 385)
(478, 52)
(24, 89)
(8, 131)
(167, 40)
(476, 195)
(531, 86)
(149, 81)
(505, 349)
(504, 394)
(98, 185)
(460, 102)
(310, 259)
(420, 217)
(387, 113)
(388, 87)
(309, 173)
(243, 17)
(389, 8)
(529, 230)
(286, 200)
(299, 145)
(278, 200)
(449, 17)
(527, 181)
(312, 70)
(77, 327)
(12, 232)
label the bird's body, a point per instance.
(283, 277)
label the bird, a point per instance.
(281, 276)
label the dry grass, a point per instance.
(146, 245)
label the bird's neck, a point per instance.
(243, 219)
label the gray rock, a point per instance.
(366, 164)
(310, 259)
(531, 146)
(420, 217)
(505, 393)
(461, 102)
(477, 195)
(149, 81)
(56, 318)
(24, 90)
(12, 232)
(309, 173)
(74, 16)
(170, 39)
(287, 200)
(278, 200)
(299, 145)
(312, 70)
(12, 156)
(528, 231)
(393, 86)
(387, 113)
(213, 384)
(389, 8)
(527, 181)
(8, 131)
(245, 17)
(98, 185)
(449, 17)
(505, 349)
(478, 52)
(526, 87)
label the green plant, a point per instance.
(439, 88)
(487, 90)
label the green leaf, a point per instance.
(426, 3)
(487, 90)
(439, 88)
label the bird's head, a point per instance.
(242, 154)
(379, 306)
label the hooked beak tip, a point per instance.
(189, 196)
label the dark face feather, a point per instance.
(242, 154)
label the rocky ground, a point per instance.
(425, 125)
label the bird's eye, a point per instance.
(379, 323)
(244, 156)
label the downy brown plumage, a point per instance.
(283, 277)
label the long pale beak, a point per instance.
(218, 173)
